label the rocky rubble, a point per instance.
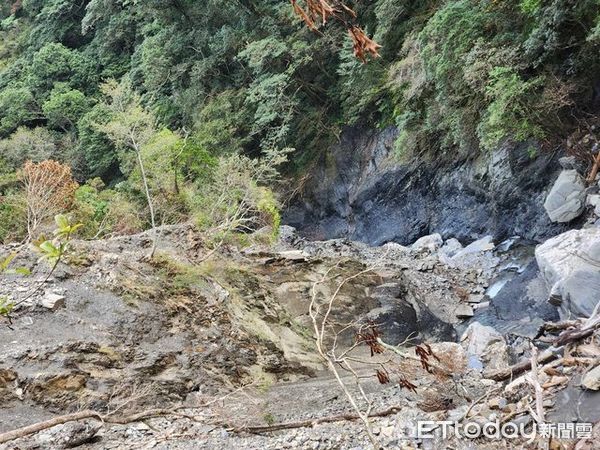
(114, 331)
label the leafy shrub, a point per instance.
(530, 7)
(511, 111)
(91, 208)
(13, 217)
(17, 107)
(235, 199)
(35, 144)
(124, 216)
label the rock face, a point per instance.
(566, 199)
(359, 191)
(570, 265)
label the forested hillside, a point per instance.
(299, 224)
(215, 96)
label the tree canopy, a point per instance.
(246, 77)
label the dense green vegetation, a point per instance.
(218, 84)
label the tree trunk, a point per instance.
(150, 204)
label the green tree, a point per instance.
(17, 107)
(131, 128)
(36, 144)
(65, 107)
(56, 63)
(98, 151)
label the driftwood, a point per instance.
(557, 326)
(312, 422)
(122, 420)
(573, 331)
(583, 330)
(539, 415)
(40, 426)
(112, 418)
(568, 336)
(89, 414)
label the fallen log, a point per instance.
(557, 326)
(570, 335)
(109, 418)
(41, 426)
(516, 369)
(312, 422)
(89, 414)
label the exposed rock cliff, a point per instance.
(360, 191)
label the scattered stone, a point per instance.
(388, 431)
(477, 338)
(481, 305)
(451, 352)
(566, 199)
(480, 245)
(394, 247)
(497, 403)
(591, 380)
(53, 301)
(7, 376)
(450, 248)
(293, 255)
(464, 311)
(426, 266)
(477, 256)
(570, 265)
(476, 298)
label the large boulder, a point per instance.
(566, 199)
(594, 200)
(591, 380)
(430, 243)
(570, 265)
(485, 347)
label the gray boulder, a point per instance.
(566, 199)
(594, 200)
(570, 265)
(430, 243)
(591, 380)
(571, 163)
(485, 347)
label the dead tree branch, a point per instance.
(312, 422)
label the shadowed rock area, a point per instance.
(360, 192)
